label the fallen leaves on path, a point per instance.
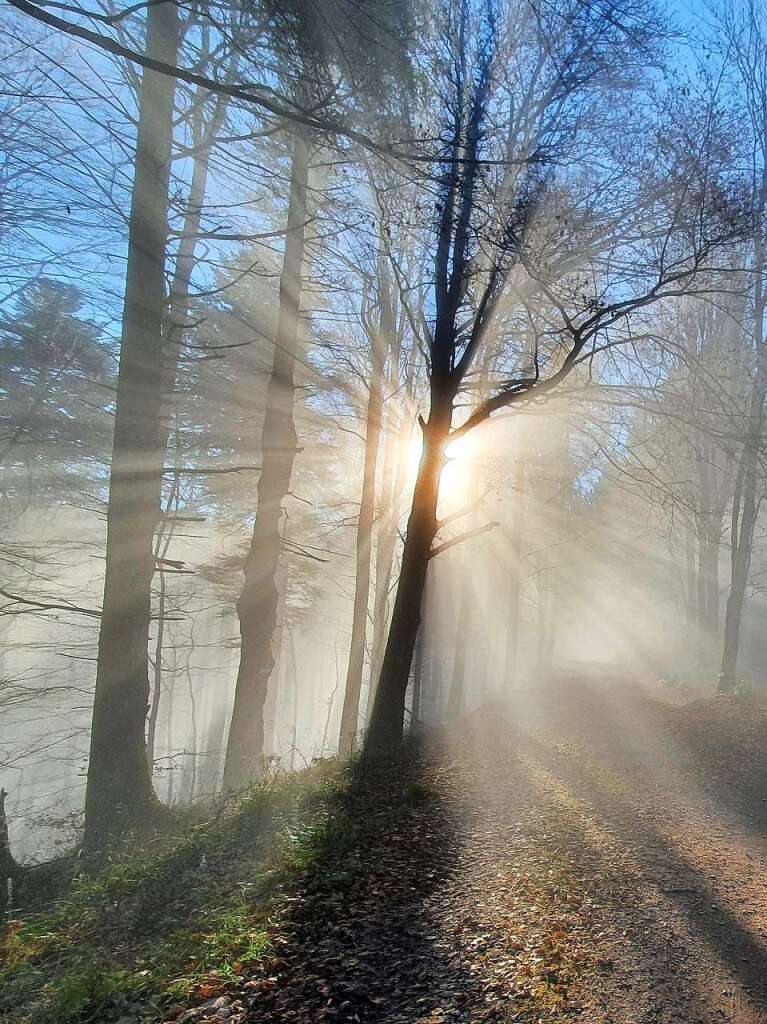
(603, 862)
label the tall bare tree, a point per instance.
(380, 330)
(119, 791)
(481, 273)
(258, 604)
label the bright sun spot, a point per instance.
(415, 450)
(454, 481)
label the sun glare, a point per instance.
(414, 452)
(454, 482)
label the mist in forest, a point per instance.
(361, 367)
(576, 557)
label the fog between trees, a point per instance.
(360, 364)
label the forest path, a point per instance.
(641, 826)
(603, 859)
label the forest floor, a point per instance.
(595, 854)
(603, 859)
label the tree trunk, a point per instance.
(194, 746)
(743, 533)
(119, 789)
(744, 521)
(203, 136)
(711, 571)
(350, 711)
(709, 532)
(385, 543)
(169, 740)
(271, 712)
(294, 700)
(154, 709)
(162, 543)
(393, 483)
(177, 313)
(690, 586)
(515, 574)
(10, 869)
(417, 678)
(387, 720)
(214, 746)
(543, 657)
(457, 690)
(701, 574)
(259, 600)
(709, 585)
(331, 701)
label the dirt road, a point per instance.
(602, 858)
(650, 821)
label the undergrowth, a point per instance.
(158, 926)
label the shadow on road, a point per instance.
(664, 808)
(360, 942)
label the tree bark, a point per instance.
(259, 600)
(364, 540)
(389, 708)
(119, 790)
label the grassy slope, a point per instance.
(179, 920)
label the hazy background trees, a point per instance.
(361, 364)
